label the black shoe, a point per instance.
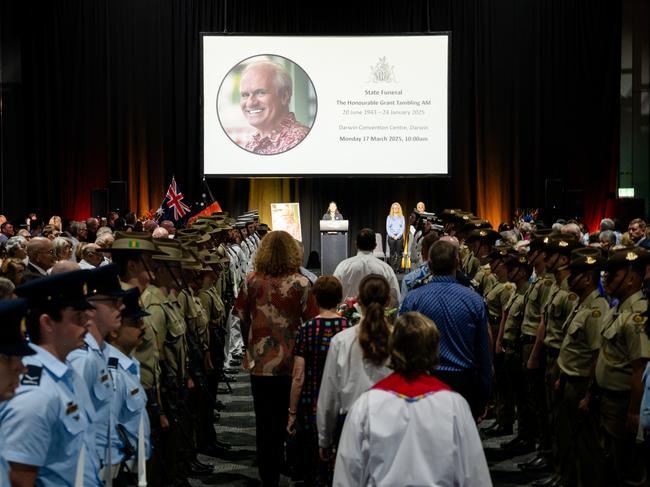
(519, 447)
(552, 481)
(199, 471)
(498, 430)
(537, 464)
(216, 452)
(219, 406)
(200, 465)
(508, 444)
(222, 444)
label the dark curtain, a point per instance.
(110, 90)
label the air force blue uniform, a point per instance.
(47, 423)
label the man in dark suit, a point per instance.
(40, 254)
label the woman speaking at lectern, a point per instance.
(332, 212)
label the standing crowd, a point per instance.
(116, 341)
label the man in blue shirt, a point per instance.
(13, 347)
(91, 360)
(45, 426)
(130, 400)
(461, 317)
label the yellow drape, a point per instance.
(264, 191)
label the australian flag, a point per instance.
(172, 208)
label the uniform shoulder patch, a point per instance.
(32, 376)
(548, 282)
(112, 362)
(596, 313)
(509, 286)
(637, 318)
(572, 296)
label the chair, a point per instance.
(379, 249)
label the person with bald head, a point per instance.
(40, 255)
(91, 257)
(265, 92)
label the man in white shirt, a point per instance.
(352, 270)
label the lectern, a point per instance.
(333, 244)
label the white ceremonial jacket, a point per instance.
(410, 433)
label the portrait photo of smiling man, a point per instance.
(277, 102)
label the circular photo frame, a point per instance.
(266, 104)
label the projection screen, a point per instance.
(359, 105)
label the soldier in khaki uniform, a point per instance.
(180, 446)
(559, 304)
(509, 343)
(132, 252)
(534, 302)
(624, 351)
(578, 447)
(496, 300)
(480, 243)
(469, 263)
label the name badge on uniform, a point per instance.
(135, 391)
(71, 408)
(103, 378)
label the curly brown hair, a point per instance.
(277, 255)
(414, 344)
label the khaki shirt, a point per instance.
(175, 344)
(469, 263)
(148, 352)
(582, 335)
(559, 306)
(623, 341)
(535, 300)
(196, 317)
(214, 307)
(497, 299)
(515, 314)
(484, 280)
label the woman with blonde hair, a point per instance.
(410, 428)
(356, 360)
(272, 304)
(62, 248)
(395, 227)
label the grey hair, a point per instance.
(59, 244)
(557, 227)
(607, 224)
(572, 229)
(15, 243)
(282, 80)
(608, 235)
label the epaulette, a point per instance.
(112, 362)
(572, 296)
(32, 376)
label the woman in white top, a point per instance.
(356, 360)
(410, 428)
